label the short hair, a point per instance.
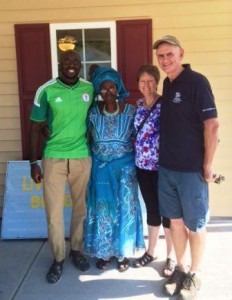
(151, 70)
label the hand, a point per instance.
(36, 173)
(209, 176)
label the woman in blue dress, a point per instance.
(114, 221)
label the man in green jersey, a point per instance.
(63, 103)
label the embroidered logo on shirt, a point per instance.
(208, 109)
(58, 99)
(85, 97)
(177, 98)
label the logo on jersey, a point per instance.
(85, 97)
(58, 99)
(177, 98)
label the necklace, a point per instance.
(113, 114)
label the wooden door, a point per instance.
(34, 68)
(134, 48)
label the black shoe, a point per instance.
(174, 284)
(79, 261)
(123, 265)
(144, 260)
(55, 272)
(103, 264)
(190, 287)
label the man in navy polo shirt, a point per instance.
(189, 137)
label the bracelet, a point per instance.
(34, 162)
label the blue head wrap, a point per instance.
(102, 74)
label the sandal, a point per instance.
(79, 261)
(55, 272)
(169, 267)
(123, 265)
(143, 260)
(103, 264)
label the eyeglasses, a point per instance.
(111, 89)
(146, 81)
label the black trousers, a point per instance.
(148, 183)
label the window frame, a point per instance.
(83, 25)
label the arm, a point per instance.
(36, 173)
(44, 129)
(210, 143)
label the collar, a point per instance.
(187, 69)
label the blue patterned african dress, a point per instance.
(114, 222)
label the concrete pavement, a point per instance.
(24, 263)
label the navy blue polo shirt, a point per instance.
(187, 102)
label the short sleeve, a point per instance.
(204, 98)
(39, 108)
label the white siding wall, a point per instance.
(203, 27)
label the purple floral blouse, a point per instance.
(147, 139)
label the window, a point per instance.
(94, 41)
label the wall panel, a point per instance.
(204, 27)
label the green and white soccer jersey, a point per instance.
(65, 109)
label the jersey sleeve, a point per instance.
(39, 108)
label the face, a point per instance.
(70, 66)
(169, 58)
(147, 84)
(108, 91)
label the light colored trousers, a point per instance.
(57, 172)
